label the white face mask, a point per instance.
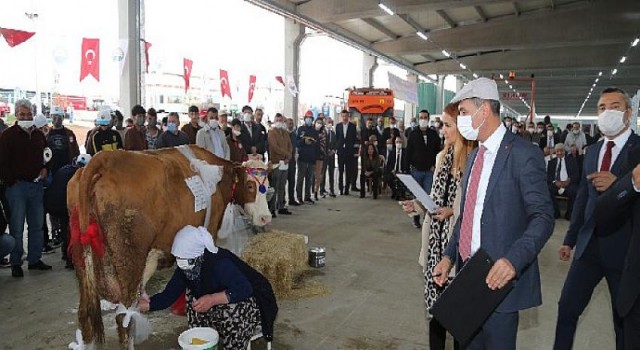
(236, 132)
(424, 123)
(201, 124)
(392, 125)
(213, 123)
(549, 132)
(247, 117)
(318, 126)
(465, 126)
(389, 147)
(576, 132)
(25, 124)
(531, 130)
(514, 130)
(183, 264)
(611, 122)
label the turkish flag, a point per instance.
(187, 64)
(90, 61)
(147, 45)
(252, 86)
(280, 80)
(225, 88)
(15, 37)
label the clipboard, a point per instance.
(468, 302)
(416, 189)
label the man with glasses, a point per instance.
(22, 170)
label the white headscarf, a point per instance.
(190, 242)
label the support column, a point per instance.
(129, 22)
(293, 37)
(459, 84)
(369, 65)
(410, 108)
(440, 95)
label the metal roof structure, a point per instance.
(566, 44)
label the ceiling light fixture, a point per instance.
(624, 58)
(463, 66)
(444, 52)
(386, 9)
(614, 71)
(421, 35)
(599, 74)
(635, 42)
(475, 75)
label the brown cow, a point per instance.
(125, 205)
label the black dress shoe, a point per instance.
(273, 214)
(16, 271)
(294, 203)
(346, 193)
(332, 195)
(68, 266)
(342, 192)
(284, 211)
(39, 266)
(309, 200)
(355, 189)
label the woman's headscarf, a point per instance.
(190, 242)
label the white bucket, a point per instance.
(205, 333)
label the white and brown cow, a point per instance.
(125, 205)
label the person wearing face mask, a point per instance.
(562, 179)
(293, 160)
(135, 139)
(575, 138)
(153, 131)
(390, 132)
(380, 135)
(191, 129)
(223, 121)
(505, 174)
(62, 142)
(173, 136)
(422, 147)
(237, 150)
(260, 137)
(508, 122)
(280, 155)
(22, 170)
(599, 250)
(346, 139)
(548, 140)
(413, 124)
(223, 292)
(329, 165)
(104, 138)
(308, 150)
(322, 154)
(212, 138)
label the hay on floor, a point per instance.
(282, 258)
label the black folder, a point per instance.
(468, 302)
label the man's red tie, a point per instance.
(606, 160)
(466, 228)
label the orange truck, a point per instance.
(372, 103)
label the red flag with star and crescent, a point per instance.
(147, 46)
(187, 65)
(280, 80)
(252, 86)
(90, 61)
(15, 37)
(225, 88)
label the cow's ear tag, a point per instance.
(262, 189)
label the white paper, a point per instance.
(199, 191)
(417, 191)
(283, 166)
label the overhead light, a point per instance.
(597, 79)
(614, 71)
(624, 58)
(599, 74)
(475, 75)
(421, 35)
(501, 76)
(594, 85)
(506, 82)
(510, 87)
(463, 66)
(444, 52)
(635, 42)
(385, 9)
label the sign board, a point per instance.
(403, 89)
(514, 95)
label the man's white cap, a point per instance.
(482, 88)
(40, 120)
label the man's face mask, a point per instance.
(186, 264)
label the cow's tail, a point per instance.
(90, 175)
(90, 311)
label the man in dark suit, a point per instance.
(254, 135)
(505, 174)
(599, 250)
(380, 136)
(619, 206)
(562, 178)
(390, 132)
(346, 139)
(548, 140)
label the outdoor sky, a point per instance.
(231, 34)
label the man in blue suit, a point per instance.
(599, 251)
(563, 178)
(346, 138)
(504, 176)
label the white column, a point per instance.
(439, 95)
(369, 65)
(293, 36)
(129, 19)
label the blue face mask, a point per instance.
(308, 121)
(172, 127)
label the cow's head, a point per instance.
(251, 191)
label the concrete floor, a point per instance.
(375, 301)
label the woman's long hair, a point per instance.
(461, 148)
